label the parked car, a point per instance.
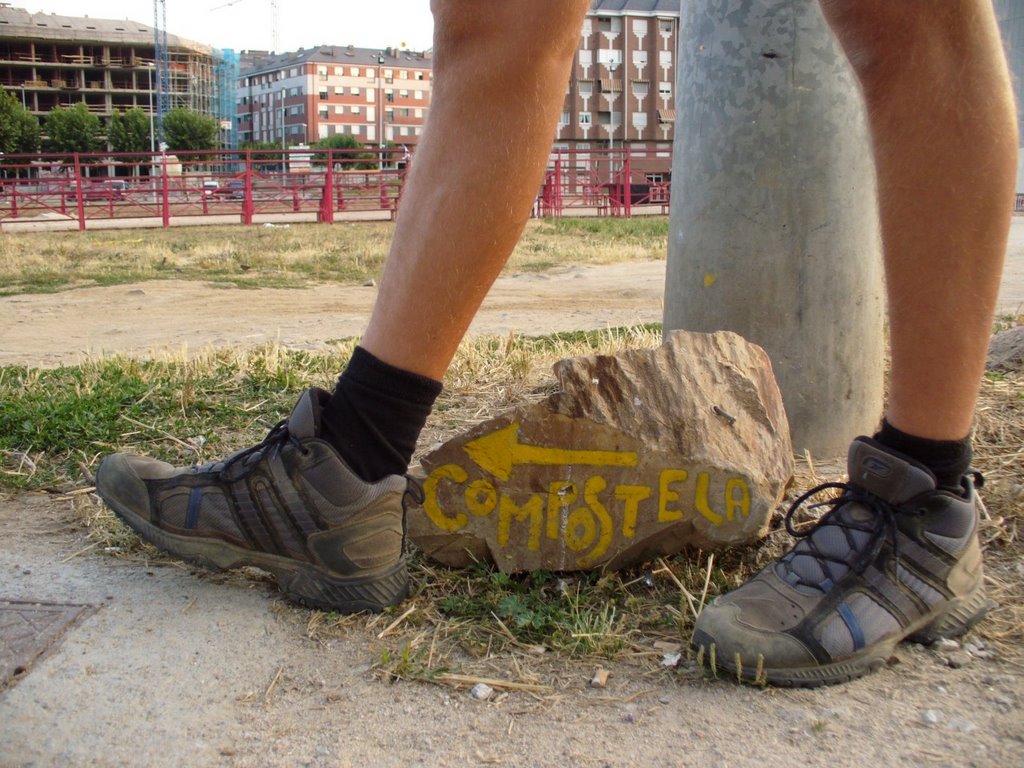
(101, 189)
(233, 190)
(210, 187)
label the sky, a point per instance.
(247, 24)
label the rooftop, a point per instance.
(19, 23)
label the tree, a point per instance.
(188, 131)
(351, 155)
(19, 129)
(129, 131)
(72, 129)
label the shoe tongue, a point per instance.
(888, 475)
(304, 421)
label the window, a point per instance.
(611, 24)
(665, 58)
(584, 118)
(419, 75)
(608, 56)
(665, 26)
(604, 118)
(418, 95)
(640, 27)
(357, 110)
(586, 58)
(586, 88)
(389, 95)
(324, 113)
(639, 119)
(322, 94)
(664, 89)
(404, 94)
(640, 58)
(389, 73)
(354, 90)
(641, 89)
(563, 119)
(353, 71)
(403, 74)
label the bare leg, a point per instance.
(500, 74)
(945, 141)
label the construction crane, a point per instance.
(162, 61)
(275, 20)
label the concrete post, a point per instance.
(774, 215)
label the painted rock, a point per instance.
(639, 454)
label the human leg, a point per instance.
(898, 555)
(294, 505)
(499, 81)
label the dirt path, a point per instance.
(143, 318)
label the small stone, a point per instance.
(671, 659)
(958, 659)
(371, 283)
(945, 644)
(932, 716)
(481, 692)
(664, 700)
(600, 678)
(961, 725)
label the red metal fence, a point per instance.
(254, 187)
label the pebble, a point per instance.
(958, 659)
(932, 716)
(945, 644)
(964, 726)
(481, 692)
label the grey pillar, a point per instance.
(774, 217)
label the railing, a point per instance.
(253, 187)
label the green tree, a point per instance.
(188, 131)
(351, 155)
(72, 129)
(19, 129)
(129, 131)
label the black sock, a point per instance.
(375, 415)
(947, 459)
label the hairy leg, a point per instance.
(944, 129)
(500, 71)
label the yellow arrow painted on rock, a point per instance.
(499, 451)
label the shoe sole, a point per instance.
(955, 619)
(303, 582)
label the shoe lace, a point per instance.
(880, 526)
(240, 465)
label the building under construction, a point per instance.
(50, 61)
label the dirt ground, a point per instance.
(176, 666)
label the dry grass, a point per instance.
(286, 256)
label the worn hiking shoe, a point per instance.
(896, 558)
(289, 505)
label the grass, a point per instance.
(459, 625)
(286, 257)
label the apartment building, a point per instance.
(52, 61)
(311, 94)
(622, 87)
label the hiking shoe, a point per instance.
(895, 558)
(289, 505)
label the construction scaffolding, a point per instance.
(54, 61)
